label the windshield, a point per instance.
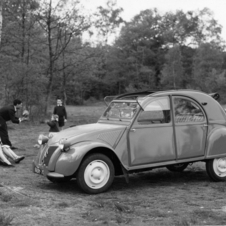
(121, 110)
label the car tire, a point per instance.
(216, 169)
(59, 181)
(96, 174)
(180, 167)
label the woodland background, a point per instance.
(43, 52)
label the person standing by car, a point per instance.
(8, 113)
(60, 110)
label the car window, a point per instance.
(121, 110)
(157, 112)
(186, 110)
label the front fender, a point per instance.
(217, 143)
(69, 161)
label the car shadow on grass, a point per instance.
(149, 179)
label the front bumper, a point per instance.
(39, 169)
(45, 162)
(42, 170)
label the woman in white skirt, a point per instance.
(5, 153)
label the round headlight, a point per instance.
(62, 141)
(42, 139)
(64, 144)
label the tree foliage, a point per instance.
(43, 54)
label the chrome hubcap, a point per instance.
(97, 174)
(219, 166)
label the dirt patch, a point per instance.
(157, 197)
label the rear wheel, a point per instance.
(177, 167)
(96, 174)
(216, 169)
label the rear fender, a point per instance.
(69, 161)
(217, 143)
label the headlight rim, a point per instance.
(42, 139)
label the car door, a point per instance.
(190, 127)
(151, 137)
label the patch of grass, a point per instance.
(62, 205)
(123, 208)
(157, 214)
(182, 222)
(23, 203)
(98, 204)
(120, 219)
(6, 198)
(5, 220)
(208, 216)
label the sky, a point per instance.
(133, 7)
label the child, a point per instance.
(53, 124)
(6, 151)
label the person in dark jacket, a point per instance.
(53, 124)
(8, 114)
(60, 110)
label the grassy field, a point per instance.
(156, 197)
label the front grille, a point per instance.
(48, 154)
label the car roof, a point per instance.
(135, 95)
(208, 102)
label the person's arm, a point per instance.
(13, 118)
(50, 123)
(65, 113)
(54, 111)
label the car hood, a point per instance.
(108, 133)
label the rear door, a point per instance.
(190, 127)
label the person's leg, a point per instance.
(4, 132)
(61, 123)
(7, 151)
(16, 158)
(3, 158)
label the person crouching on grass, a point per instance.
(5, 151)
(54, 124)
(54, 127)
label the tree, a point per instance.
(59, 27)
(16, 49)
(208, 63)
(1, 3)
(173, 71)
(108, 20)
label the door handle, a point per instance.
(204, 125)
(133, 130)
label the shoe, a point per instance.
(6, 164)
(19, 159)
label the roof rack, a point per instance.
(128, 96)
(134, 95)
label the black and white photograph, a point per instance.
(112, 112)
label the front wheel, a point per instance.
(216, 169)
(96, 174)
(180, 167)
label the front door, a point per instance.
(151, 138)
(190, 128)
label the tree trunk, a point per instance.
(1, 3)
(51, 61)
